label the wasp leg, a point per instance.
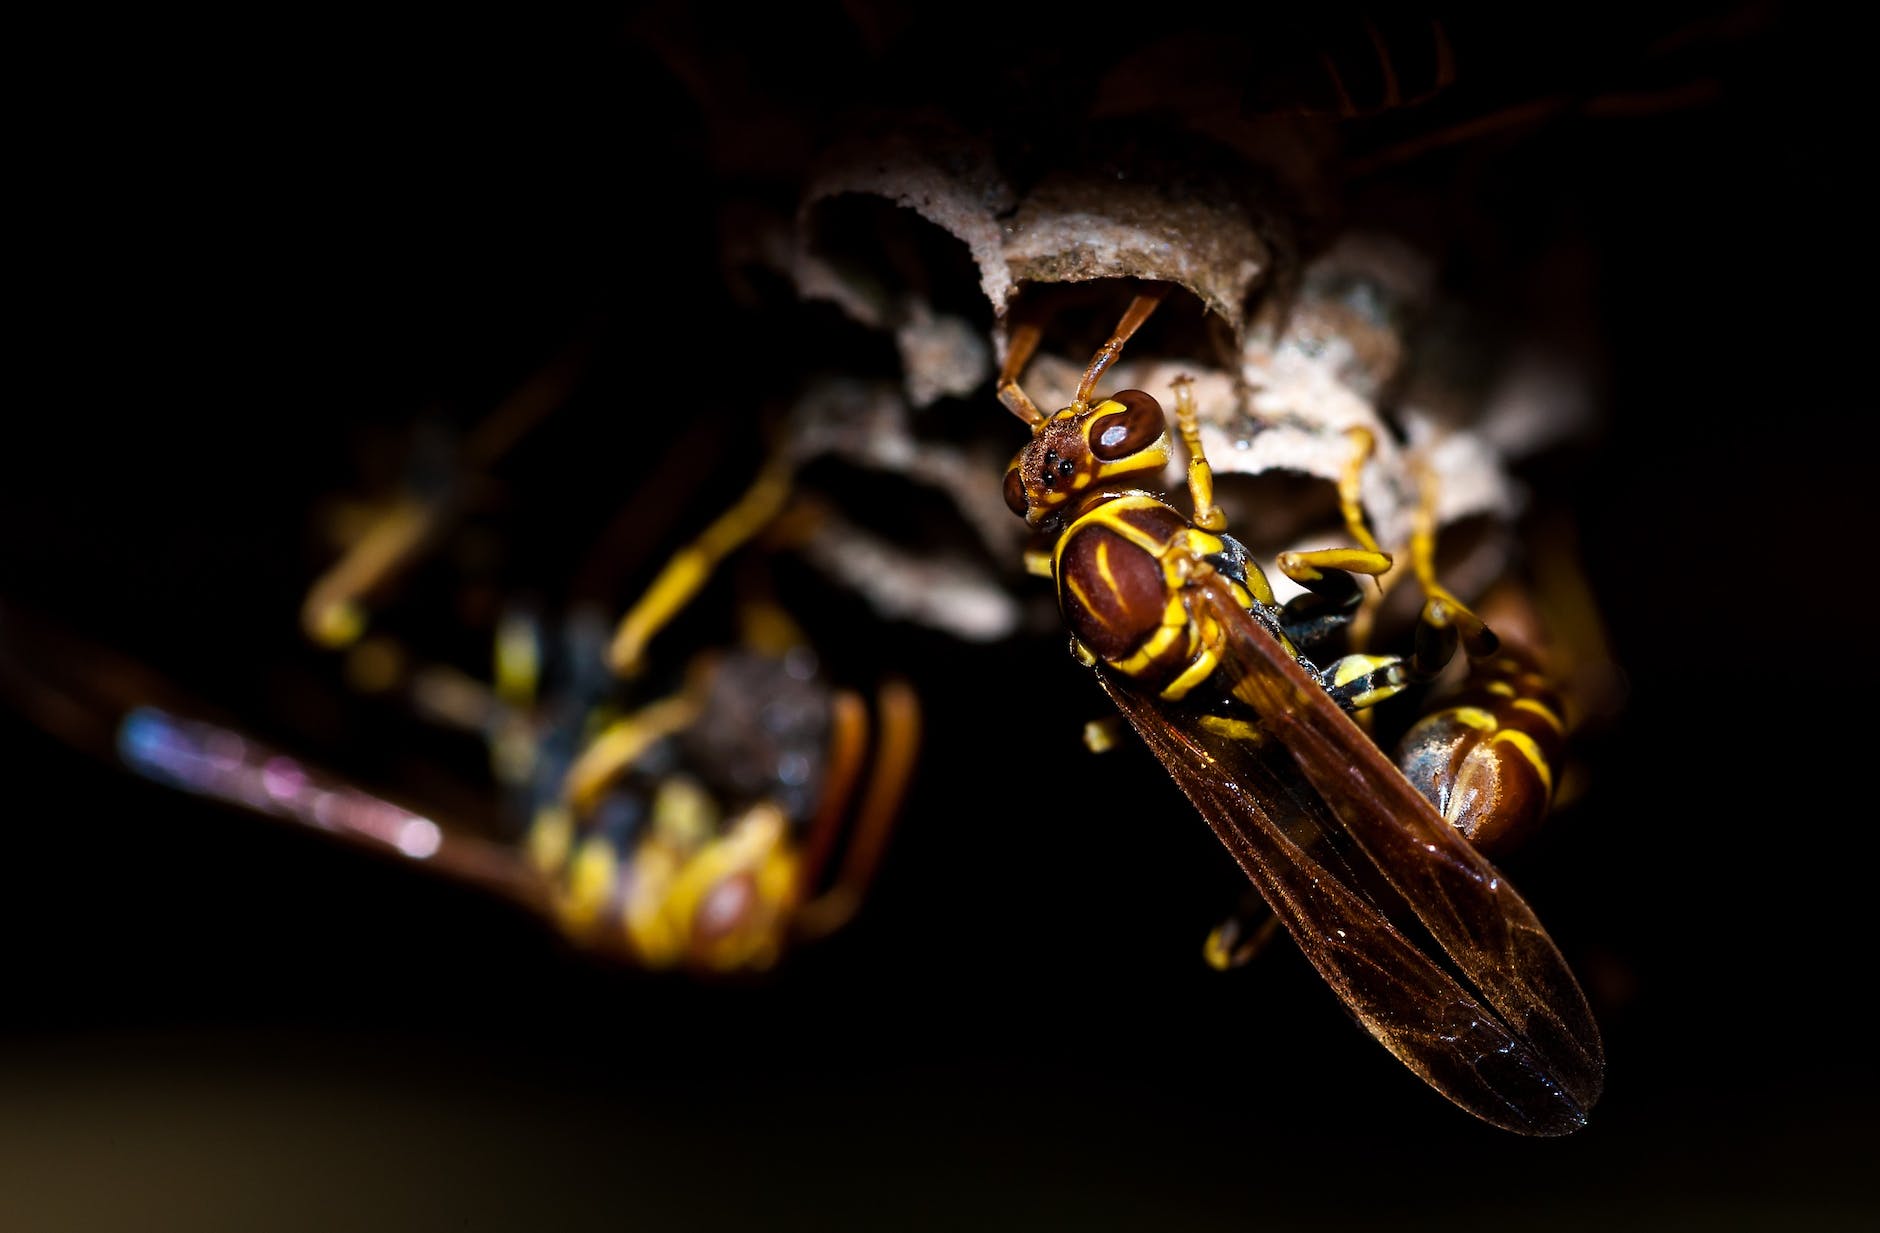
(1446, 620)
(1333, 596)
(1101, 735)
(1487, 759)
(335, 610)
(888, 781)
(1333, 599)
(1240, 938)
(1208, 515)
(686, 573)
(621, 744)
(848, 742)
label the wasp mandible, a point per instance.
(1180, 625)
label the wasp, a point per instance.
(715, 825)
(704, 810)
(1423, 940)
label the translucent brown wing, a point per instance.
(1344, 849)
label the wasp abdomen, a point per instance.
(1487, 760)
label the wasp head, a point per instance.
(1082, 446)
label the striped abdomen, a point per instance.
(1488, 760)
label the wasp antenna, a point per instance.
(1137, 313)
(1018, 353)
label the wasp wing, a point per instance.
(115, 709)
(1309, 810)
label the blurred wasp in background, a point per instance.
(701, 809)
(1424, 941)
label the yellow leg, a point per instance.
(1350, 505)
(686, 573)
(1237, 940)
(1208, 515)
(334, 613)
(621, 744)
(1308, 568)
(1102, 735)
(1442, 609)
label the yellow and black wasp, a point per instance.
(1424, 940)
(717, 824)
(703, 808)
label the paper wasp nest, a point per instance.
(939, 227)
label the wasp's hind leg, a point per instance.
(689, 569)
(1242, 936)
(897, 739)
(1487, 756)
(1446, 621)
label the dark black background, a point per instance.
(257, 242)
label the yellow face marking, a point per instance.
(1500, 689)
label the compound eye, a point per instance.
(1015, 498)
(1129, 431)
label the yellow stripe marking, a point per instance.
(1529, 750)
(1083, 598)
(1235, 729)
(1103, 567)
(1540, 708)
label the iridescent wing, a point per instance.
(113, 708)
(1358, 866)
